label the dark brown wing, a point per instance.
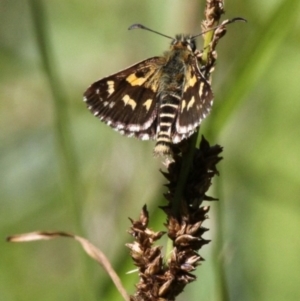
(127, 100)
(196, 103)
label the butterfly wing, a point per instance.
(196, 103)
(126, 100)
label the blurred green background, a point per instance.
(62, 169)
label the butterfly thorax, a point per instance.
(173, 69)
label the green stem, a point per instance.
(206, 48)
(72, 192)
(62, 127)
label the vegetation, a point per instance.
(61, 169)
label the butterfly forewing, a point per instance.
(196, 101)
(127, 100)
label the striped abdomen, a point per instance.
(166, 118)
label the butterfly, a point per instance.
(164, 98)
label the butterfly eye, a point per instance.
(175, 41)
(192, 44)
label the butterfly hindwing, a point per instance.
(126, 101)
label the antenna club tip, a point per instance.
(135, 26)
(239, 19)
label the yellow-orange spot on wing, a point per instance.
(201, 89)
(183, 105)
(129, 101)
(191, 103)
(111, 87)
(190, 82)
(147, 104)
(135, 81)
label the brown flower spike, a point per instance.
(160, 280)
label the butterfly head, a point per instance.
(184, 42)
(180, 42)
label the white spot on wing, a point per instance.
(177, 139)
(145, 137)
(134, 127)
(120, 126)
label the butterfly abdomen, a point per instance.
(167, 113)
(169, 101)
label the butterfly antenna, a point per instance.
(226, 22)
(135, 26)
